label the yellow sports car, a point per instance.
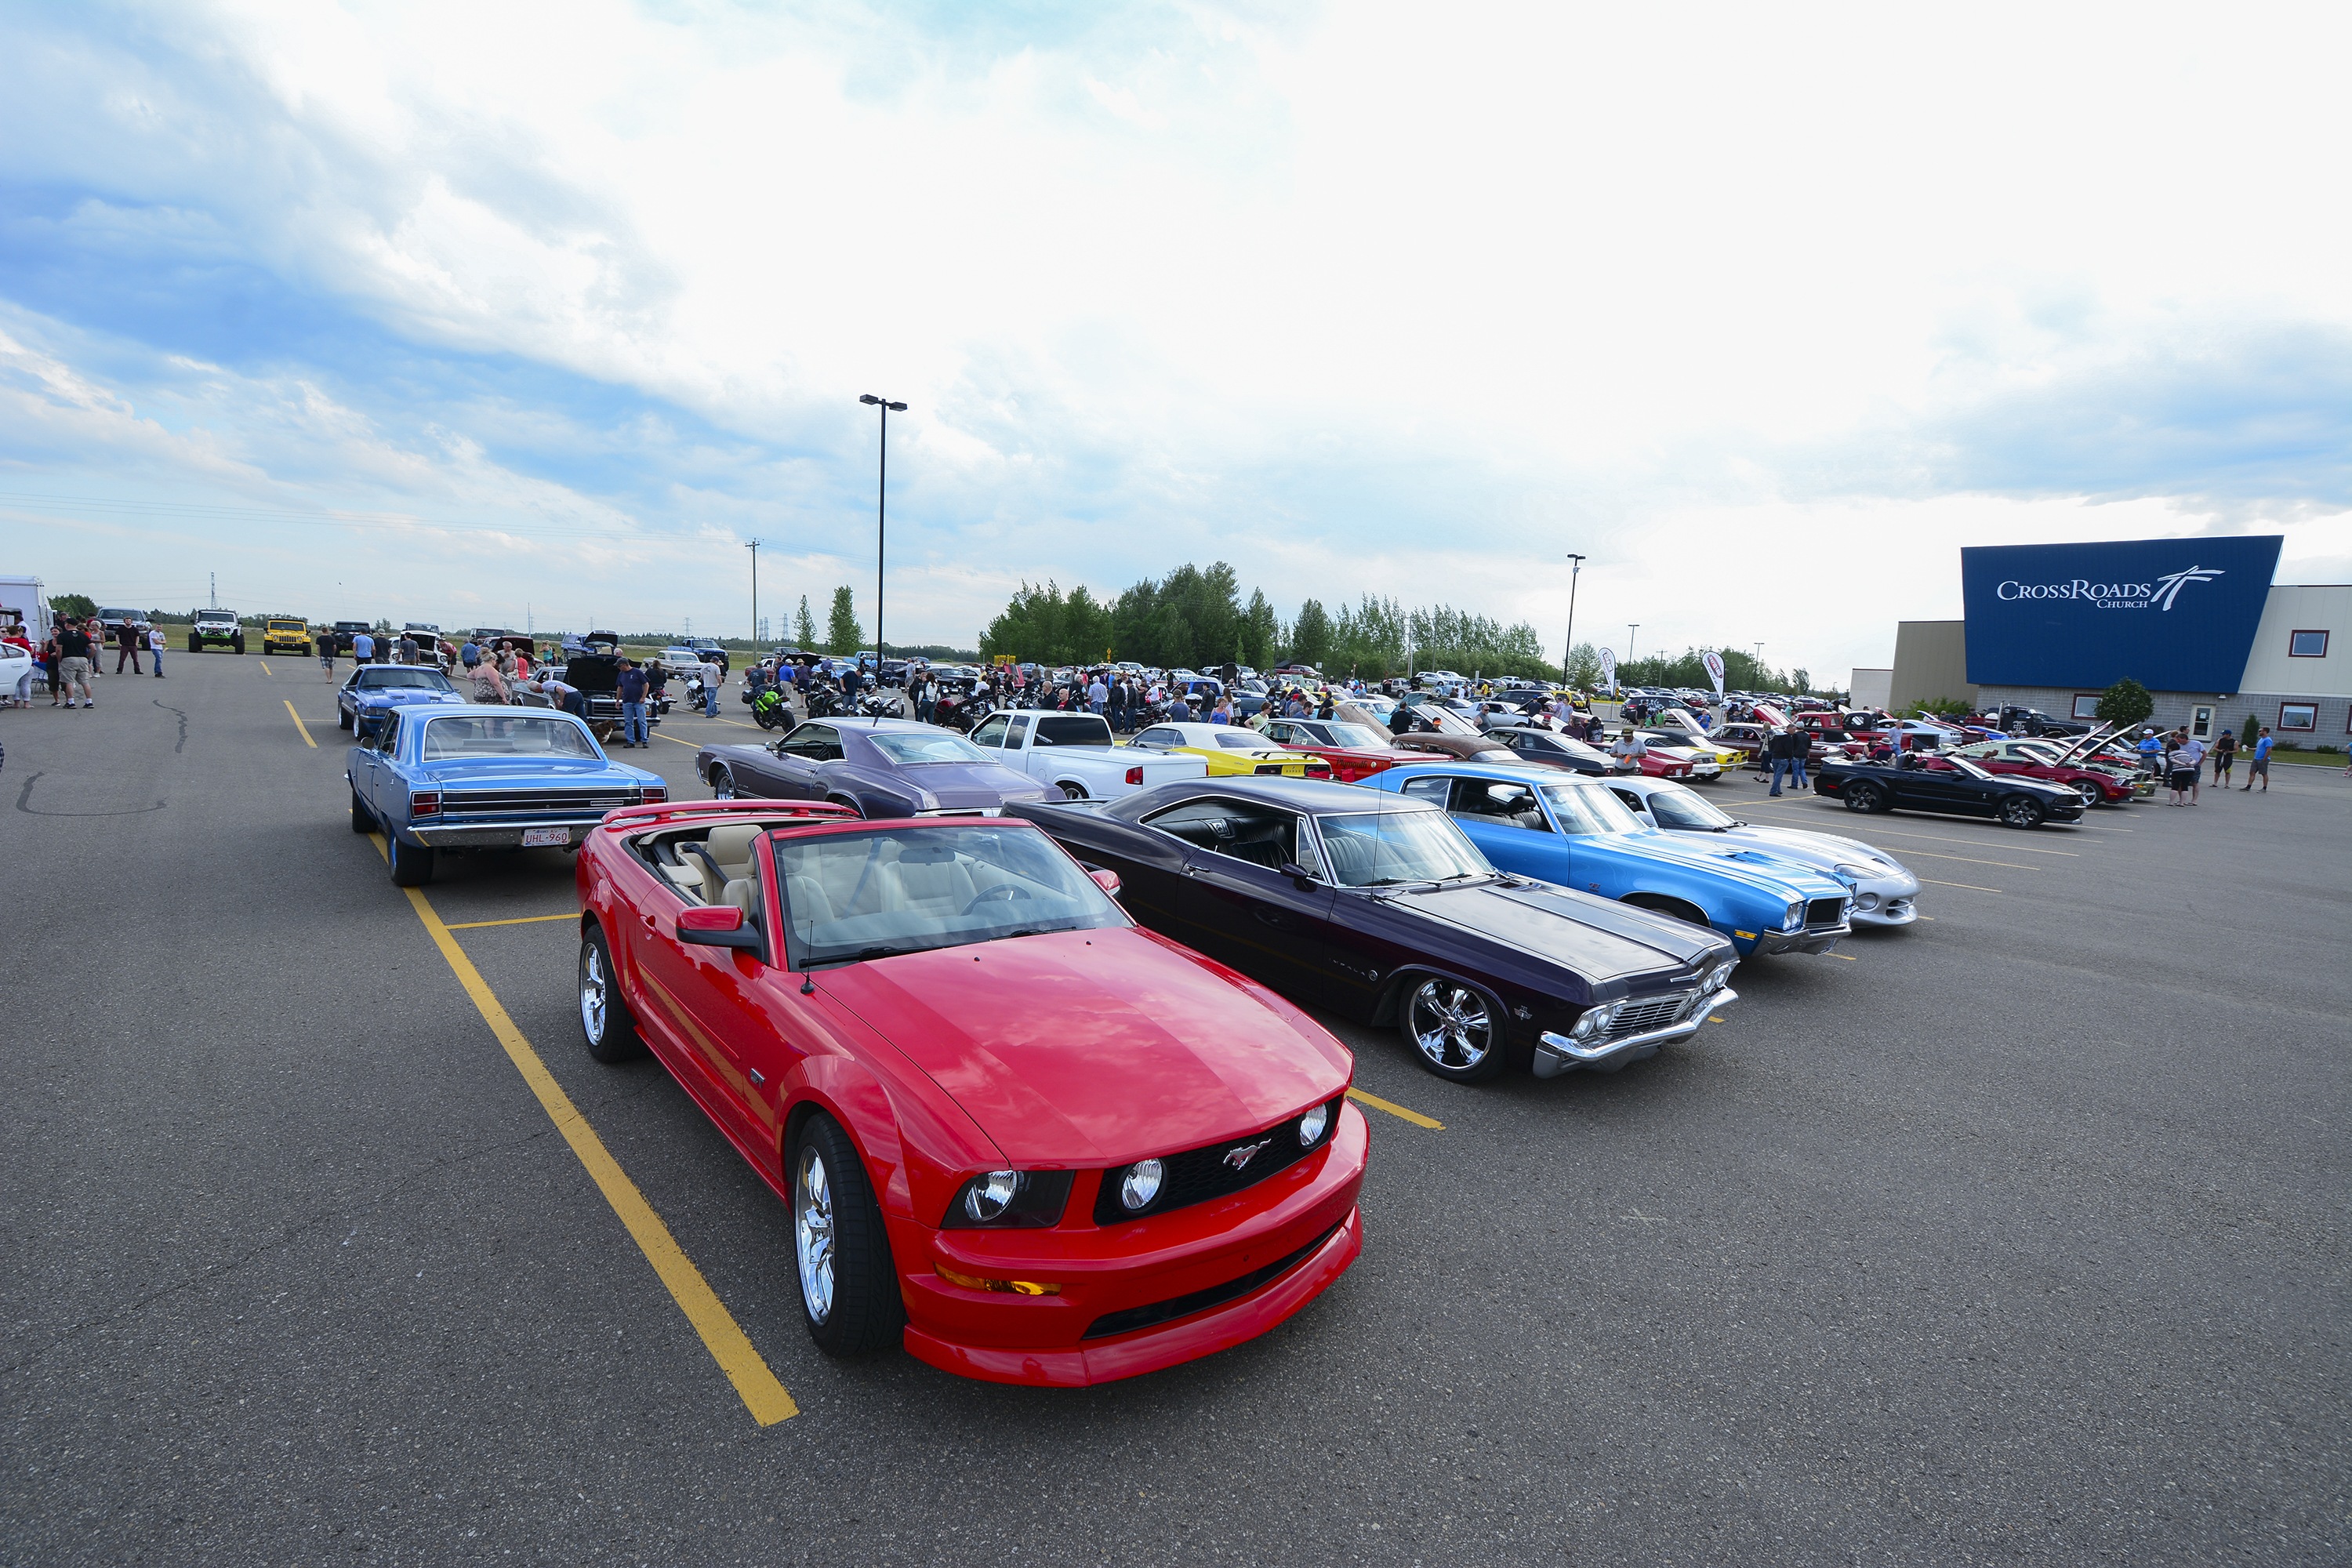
(1232, 750)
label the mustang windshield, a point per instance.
(910, 746)
(383, 677)
(1589, 809)
(497, 735)
(853, 895)
(1381, 848)
(1675, 807)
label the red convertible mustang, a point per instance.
(1018, 1133)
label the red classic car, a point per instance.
(2042, 760)
(1354, 751)
(1014, 1132)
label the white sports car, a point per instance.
(1885, 892)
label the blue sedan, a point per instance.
(373, 689)
(1567, 829)
(438, 780)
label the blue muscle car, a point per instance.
(454, 780)
(1564, 828)
(374, 690)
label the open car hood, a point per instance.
(1093, 1047)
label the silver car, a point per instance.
(1885, 892)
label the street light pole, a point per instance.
(881, 535)
(753, 546)
(1575, 570)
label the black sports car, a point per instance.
(1955, 786)
(1378, 907)
(877, 767)
(1551, 749)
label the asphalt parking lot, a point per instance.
(2019, 1236)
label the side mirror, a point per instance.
(718, 925)
(1105, 878)
(1298, 873)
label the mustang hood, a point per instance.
(1598, 938)
(1093, 1047)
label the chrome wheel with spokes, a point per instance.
(604, 1022)
(722, 784)
(1453, 1027)
(812, 1234)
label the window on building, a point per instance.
(2306, 644)
(2086, 704)
(2298, 716)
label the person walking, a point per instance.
(631, 688)
(75, 652)
(1776, 748)
(327, 652)
(711, 676)
(2258, 768)
(2225, 756)
(155, 641)
(362, 647)
(1800, 751)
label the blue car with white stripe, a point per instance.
(438, 781)
(1571, 830)
(371, 691)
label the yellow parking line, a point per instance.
(1969, 886)
(519, 920)
(673, 741)
(301, 726)
(1971, 859)
(1377, 1103)
(1847, 956)
(1940, 838)
(267, 670)
(729, 1345)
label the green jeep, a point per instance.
(215, 629)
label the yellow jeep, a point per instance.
(284, 634)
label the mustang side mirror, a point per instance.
(716, 925)
(1106, 878)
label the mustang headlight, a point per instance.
(1311, 1126)
(1141, 1185)
(1795, 916)
(1023, 1199)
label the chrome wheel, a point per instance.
(1450, 1025)
(593, 996)
(812, 1234)
(2019, 812)
(722, 784)
(2089, 790)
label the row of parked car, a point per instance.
(1017, 1024)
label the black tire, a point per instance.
(195, 647)
(722, 782)
(361, 822)
(239, 646)
(1865, 798)
(848, 1284)
(1072, 792)
(1454, 1030)
(605, 1022)
(342, 719)
(2021, 810)
(411, 864)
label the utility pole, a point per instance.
(881, 498)
(753, 546)
(214, 577)
(1575, 570)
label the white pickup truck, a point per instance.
(1075, 752)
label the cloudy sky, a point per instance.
(461, 312)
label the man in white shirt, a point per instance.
(155, 645)
(712, 676)
(1629, 750)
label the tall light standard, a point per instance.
(1575, 570)
(881, 490)
(753, 546)
(1631, 627)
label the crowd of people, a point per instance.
(67, 660)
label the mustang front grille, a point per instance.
(1197, 1175)
(1824, 912)
(1638, 1017)
(1134, 1318)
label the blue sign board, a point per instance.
(2175, 615)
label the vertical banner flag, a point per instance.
(1714, 662)
(1609, 669)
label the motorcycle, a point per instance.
(769, 709)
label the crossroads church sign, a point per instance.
(2039, 614)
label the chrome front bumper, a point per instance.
(1813, 939)
(1556, 1054)
(498, 835)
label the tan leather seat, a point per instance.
(727, 857)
